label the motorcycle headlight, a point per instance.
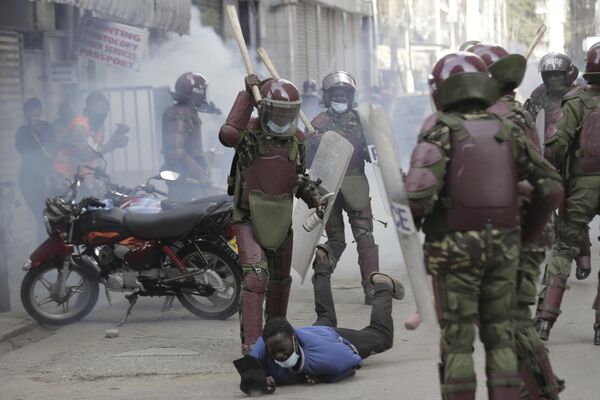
(48, 225)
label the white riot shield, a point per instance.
(410, 244)
(540, 125)
(329, 165)
(364, 111)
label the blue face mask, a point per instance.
(291, 360)
(339, 108)
(278, 129)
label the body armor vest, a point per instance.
(350, 127)
(481, 182)
(192, 130)
(272, 172)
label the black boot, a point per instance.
(597, 335)
(543, 327)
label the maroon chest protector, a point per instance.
(181, 129)
(482, 180)
(272, 173)
(352, 131)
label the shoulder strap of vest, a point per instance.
(455, 124)
(575, 93)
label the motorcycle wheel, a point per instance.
(223, 274)
(46, 307)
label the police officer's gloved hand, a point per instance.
(251, 80)
(582, 273)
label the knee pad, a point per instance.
(323, 262)
(362, 220)
(330, 252)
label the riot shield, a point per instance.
(329, 165)
(540, 125)
(410, 244)
(364, 112)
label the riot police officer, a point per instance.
(182, 138)
(269, 171)
(339, 89)
(571, 146)
(471, 219)
(534, 365)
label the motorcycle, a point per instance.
(186, 250)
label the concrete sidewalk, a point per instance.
(15, 323)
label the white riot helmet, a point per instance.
(338, 79)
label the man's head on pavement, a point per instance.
(96, 107)
(281, 341)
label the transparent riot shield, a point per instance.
(540, 125)
(364, 112)
(410, 244)
(329, 166)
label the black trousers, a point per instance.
(375, 338)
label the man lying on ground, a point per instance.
(312, 354)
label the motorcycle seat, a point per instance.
(169, 204)
(169, 224)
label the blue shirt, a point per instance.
(323, 354)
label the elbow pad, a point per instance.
(420, 178)
(240, 111)
(229, 136)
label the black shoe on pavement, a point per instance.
(597, 336)
(543, 328)
(394, 284)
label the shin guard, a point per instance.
(555, 289)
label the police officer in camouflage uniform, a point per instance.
(339, 89)
(269, 171)
(558, 76)
(463, 189)
(534, 364)
(572, 147)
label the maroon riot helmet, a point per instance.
(280, 108)
(462, 76)
(592, 65)
(190, 88)
(508, 69)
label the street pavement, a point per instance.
(173, 355)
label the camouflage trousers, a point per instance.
(474, 275)
(534, 364)
(581, 205)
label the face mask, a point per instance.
(291, 360)
(278, 129)
(339, 108)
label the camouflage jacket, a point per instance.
(530, 166)
(562, 149)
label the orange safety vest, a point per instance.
(67, 160)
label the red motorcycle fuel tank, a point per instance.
(100, 227)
